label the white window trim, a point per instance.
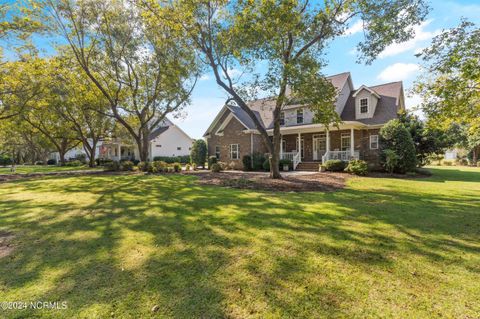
(237, 151)
(342, 137)
(303, 116)
(371, 141)
(360, 105)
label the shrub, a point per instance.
(177, 167)
(461, 162)
(52, 161)
(113, 166)
(216, 167)
(390, 160)
(447, 163)
(173, 159)
(212, 160)
(103, 161)
(223, 165)
(247, 162)
(81, 157)
(478, 164)
(257, 161)
(194, 166)
(335, 165)
(159, 167)
(142, 166)
(135, 162)
(38, 163)
(198, 154)
(266, 165)
(127, 166)
(232, 165)
(74, 163)
(187, 167)
(357, 167)
(394, 136)
(5, 160)
(285, 162)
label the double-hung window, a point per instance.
(345, 141)
(373, 142)
(282, 118)
(234, 151)
(300, 116)
(364, 105)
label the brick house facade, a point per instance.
(363, 112)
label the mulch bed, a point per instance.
(290, 183)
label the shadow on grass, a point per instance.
(187, 242)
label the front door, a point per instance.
(319, 146)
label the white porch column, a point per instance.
(328, 140)
(300, 145)
(119, 152)
(352, 142)
(281, 146)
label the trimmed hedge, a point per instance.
(212, 160)
(335, 165)
(247, 162)
(216, 167)
(173, 159)
(5, 160)
(257, 161)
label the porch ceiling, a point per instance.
(313, 128)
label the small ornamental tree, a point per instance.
(198, 154)
(395, 136)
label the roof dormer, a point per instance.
(366, 101)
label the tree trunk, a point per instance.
(62, 157)
(142, 144)
(275, 157)
(475, 155)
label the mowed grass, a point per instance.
(115, 246)
(29, 169)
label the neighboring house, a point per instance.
(167, 140)
(363, 111)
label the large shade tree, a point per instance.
(289, 37)
(143, 71)
(450, 86)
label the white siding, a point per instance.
(170, 140)
(372, 104)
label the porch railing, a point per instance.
(291, 156)
(340, 155)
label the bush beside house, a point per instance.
(198, 155)
(396, 138)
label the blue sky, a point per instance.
(396, 63)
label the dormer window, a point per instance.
(282, 118)
(364, 105)
(299, 116)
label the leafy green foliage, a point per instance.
(257, 160)
(427, 140)
(394, 136)
(357, 167)
(335, 165)
(126, 166)
(198, 154)
(173, 159)
(216, 167)
(266, 165)
(212, 160)
(247, 162)
(391, 160)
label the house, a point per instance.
(167, 140)
(363, 111)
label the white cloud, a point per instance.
(421, 36)
(355, 28)
(398, 72)
(204, 77)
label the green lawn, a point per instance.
(29, 169)
(115, 246)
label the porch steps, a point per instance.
(308, 166)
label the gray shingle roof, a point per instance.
(157, 132)
(387, 106)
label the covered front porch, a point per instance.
(116, 151)
(320, 145)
